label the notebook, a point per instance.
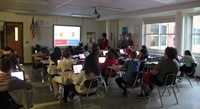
(77, 68)
(102, 59)
(81, 56)
(18, 74)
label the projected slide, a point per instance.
(66, 35)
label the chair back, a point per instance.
(92, 83)
(170, 79)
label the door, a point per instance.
(14, 38)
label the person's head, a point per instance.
(187, 52)
(6, 65)
(170, 53)
(112, 54)
(104, 35)
(85, 48)
(95, 49)
(13, 60)
(132, 55)
(57, 52)
(38, 48)
(66, 53)
(143, 52)
(8, 50)
(92, 65)
(144, 47)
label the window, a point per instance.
(196, 34)
(160, 35)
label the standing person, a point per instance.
(157, 76)
(188, 59)
(14, 85)
(132, 68)
(91, 70)
(105, 42)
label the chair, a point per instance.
(6, 101)
(170, 81)
(136, 77)
(91, 85)
(191, 72)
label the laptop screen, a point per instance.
(102, 59)
(81, 56)
(77, 68)
(180, 57)
(18, 74)
(121, 51)
(105, 52)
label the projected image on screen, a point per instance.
(66, 35)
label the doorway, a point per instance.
(13, 37)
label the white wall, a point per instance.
(44, 30)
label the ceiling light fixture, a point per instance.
(109, 8)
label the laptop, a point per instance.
(105, 52)
(58, 61)
(121, 51)
(102, 59)
(77, 68)
(18, 74)
(180, 57)
(81, 56)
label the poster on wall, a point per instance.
(137, 30)
(124, 30)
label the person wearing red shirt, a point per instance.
(105, 42)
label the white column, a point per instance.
(179, 36)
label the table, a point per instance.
(44, 62)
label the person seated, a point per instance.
(65, 64)
(188, 59)
(86, 52)
(12, 84)
(91, 70)
(143, 58)
(145, 48)
(111, 59)
(132, 67)
(53, 59)
(158, 74)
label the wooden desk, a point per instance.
(44, 63)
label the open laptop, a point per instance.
(121, 51)
(18, 74)
(105, 52)
(102, 59)
(81, 56)
(77, 68)
(180, 57)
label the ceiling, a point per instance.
(85, 8)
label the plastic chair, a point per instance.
(191, 72)
(170, 81)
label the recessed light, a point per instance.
(166, 1)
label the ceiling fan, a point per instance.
(96, 14)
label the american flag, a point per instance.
(32, 29)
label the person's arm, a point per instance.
(19, 84)
(77, 78)
(153, 72)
